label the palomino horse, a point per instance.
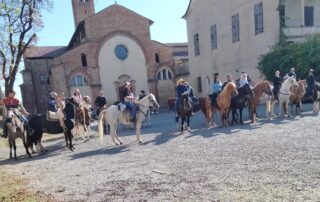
(112, 116)
(297, 95)
(41, 124)
(239, 101)
(258, 90)
(223, 102)
(184, 110)
(16, 129)
(284, 97)
(83, 119)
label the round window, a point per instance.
(121, 51)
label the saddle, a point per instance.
(49, 114)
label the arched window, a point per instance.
(165, 74)
(78, 80)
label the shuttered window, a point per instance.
(258, 18)
(309, 16)
(235, 28)
(213, 34)
(196, 44)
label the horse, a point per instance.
(314, 97)
(83, 119)
(284, 97)
(40, 124)
(15, 129)
(262, 87)
(297, 95)
(112, 116)
(184, 110)
(239, 101)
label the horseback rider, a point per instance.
(310, 83)
(142, 94)
(55, 109)
(216, 88)
(11, 102)
(229, 79)
(100, 102)
(243, 79)
(77, 96)
(292, 73)
(181, 87)
(129, 101)
(276, 85)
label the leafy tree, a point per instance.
(19, 22)
(300, 55)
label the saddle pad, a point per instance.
(49, 118)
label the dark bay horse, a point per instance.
(184, 110)
(41, 124)
(239, 101)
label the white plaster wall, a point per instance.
(111, 67)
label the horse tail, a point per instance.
(101, 120)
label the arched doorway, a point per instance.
(165, 85)
(119, 85)
(80, 82)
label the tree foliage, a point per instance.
(19, 22)
(300, 55)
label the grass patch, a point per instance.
(13, 189)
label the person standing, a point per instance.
(276, 85)
(100, 102)
(310, 83)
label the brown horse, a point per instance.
(297, 95)
(171, 102)
(258, 90)
(222, 104)
(83, 119)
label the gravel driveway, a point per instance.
(272, 160)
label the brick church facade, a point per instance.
(107, 49)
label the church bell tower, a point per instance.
(82, 9)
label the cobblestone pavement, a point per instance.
(271, 160)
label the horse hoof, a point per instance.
(121, 143)
(189, 129)
(140, 142)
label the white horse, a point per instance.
(113, 116)
(284, 97)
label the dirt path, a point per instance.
(272, 160)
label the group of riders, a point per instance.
(55, 101)
(217, 86)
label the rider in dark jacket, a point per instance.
(310, 83)
(180, 89)
(276, 85)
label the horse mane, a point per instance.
(260, 83)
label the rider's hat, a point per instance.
(53, 94)
(12, 91)
(180, 81)
(142, 91)
(311, 70)
(127, 83)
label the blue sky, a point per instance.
(168, 25)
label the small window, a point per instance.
(235, 28)
(84, 60)
(159, 76)
(258, 17)
(309, 16)
(213, 34)
(157, 58)
(199, 84)
(84, 1)
(78, 80)
(42, 79)
(196, 44)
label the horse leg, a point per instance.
(10, 143)
(25, 146)
(138, 131)
(182, 124)
(112, 133)
(177, 122)
(188, 123)
(233, 116)
(14, 149)
(116, 136)
(240, 112)
(70, 140)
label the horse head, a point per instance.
(290, 82)
(246, 90)
(12, 121)
(231, 89)
(152, 101)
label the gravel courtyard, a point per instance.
(272, 160)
